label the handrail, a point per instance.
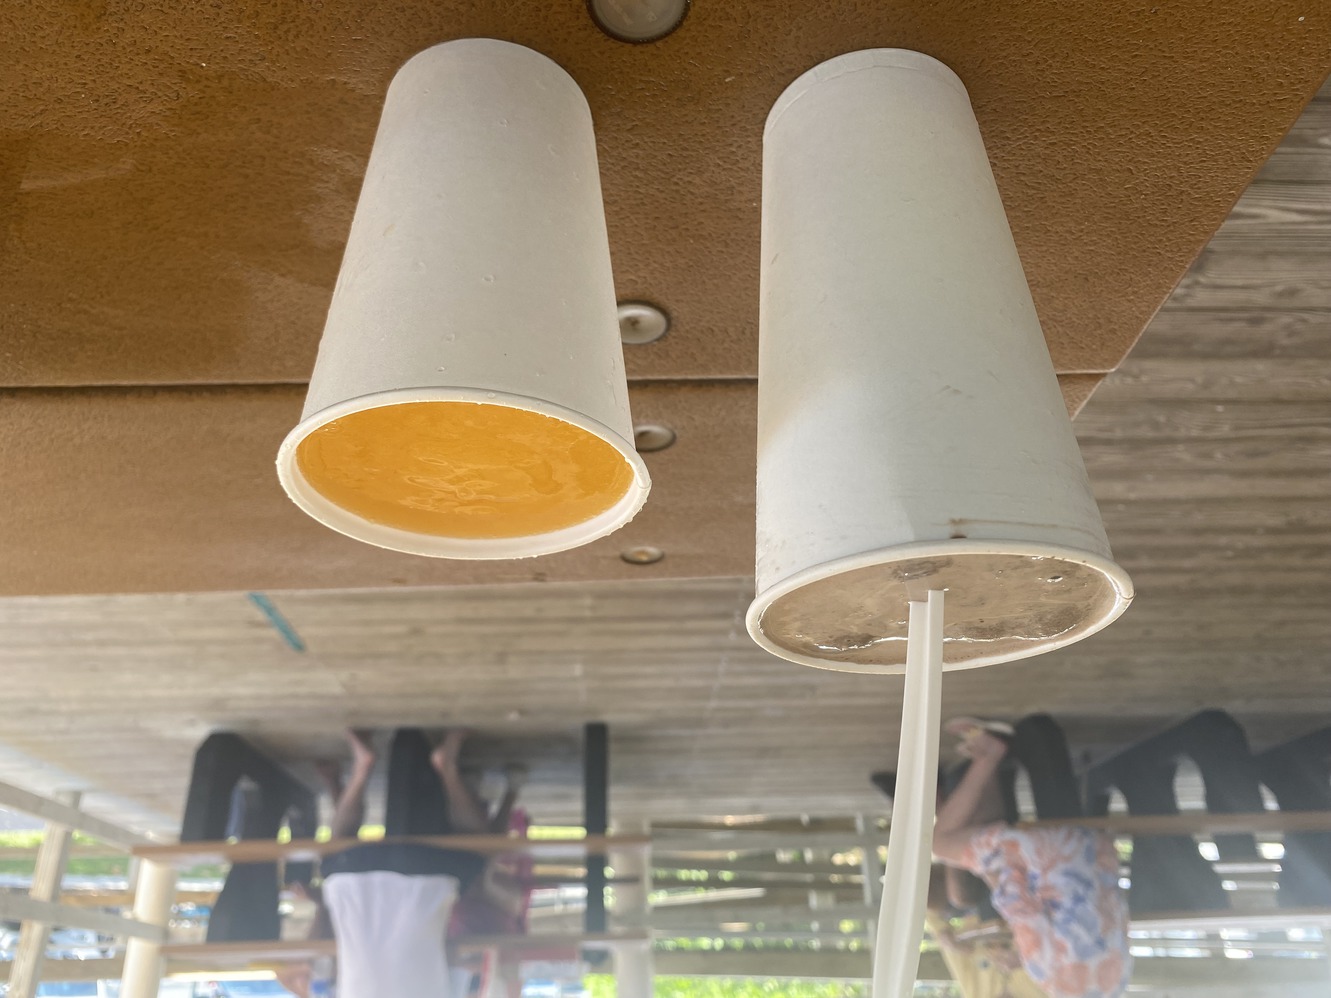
(268, 850)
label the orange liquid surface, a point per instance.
(462, 469)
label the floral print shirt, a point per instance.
(1057, 888)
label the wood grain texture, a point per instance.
(179, 180)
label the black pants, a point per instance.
(1298, 773)
(237, 791)
(1168, 873)
(1039, 746)
(416, 801)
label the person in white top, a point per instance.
(388, 904)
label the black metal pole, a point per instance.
(596, 816)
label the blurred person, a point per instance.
(390, 905)
(1055, 888)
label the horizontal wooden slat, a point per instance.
(1256, 280)
(1198, 823)
(1292, 165)
(1220, 381)
(252, 850)
(73, 818)
(219, 956)
(1313, 129)
(1201, 335)
(70, 969)
(20, 907)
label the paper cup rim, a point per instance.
(854, 62)
(1115, 573)
(344, 522)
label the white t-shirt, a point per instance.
(390, 933)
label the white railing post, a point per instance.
(635, 970)
(52, 857)
(154, 894)
(871, 872)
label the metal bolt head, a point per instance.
(638, 21)
(643, 554)
(651, 437)
(641, 322)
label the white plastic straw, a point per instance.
(909, 847)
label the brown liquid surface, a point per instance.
(996, 605)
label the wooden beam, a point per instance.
(124, 899)
(1198, 823)
(17, 907)
(221, 956)
(705, 918)
(14, 799)
(1189, 823)
(740, 841)
(816, 964)
(1259, 919)
(72, 970)
(185, 854)
(50, 871)
(1154, 973)
(79, 850)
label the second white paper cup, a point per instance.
(911, 431)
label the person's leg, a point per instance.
(1230, 778)
(515, 777)
(220, 764)
(349, 798)
(261, 794)
(1298, 773)
(466, 813)
(416, 802)
(246, 908)
(1040, 747)
(1168, 873)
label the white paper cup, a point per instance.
(477, 272)
(911, 432)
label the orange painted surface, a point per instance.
(464, 469)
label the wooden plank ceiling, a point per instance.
(1210, 452)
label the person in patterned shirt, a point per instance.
(1057, 888)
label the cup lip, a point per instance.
(858, 61)
(344, 522)
(1115, 573)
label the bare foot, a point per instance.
(362, 751)
(449, 750)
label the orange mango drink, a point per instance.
(463, 469)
